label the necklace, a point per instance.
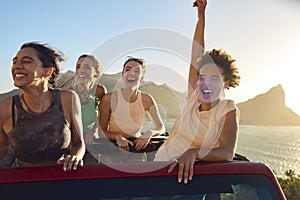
(28, 108)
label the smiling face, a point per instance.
(210, 84)
(132, 74)
(85, 72)
(27, 68)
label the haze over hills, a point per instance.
(264, 109)
(268, 109)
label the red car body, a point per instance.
(212, 180)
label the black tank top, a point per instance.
(43, 137)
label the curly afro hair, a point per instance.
(225, 62)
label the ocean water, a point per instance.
(276, 146)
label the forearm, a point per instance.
(111, 135)
(198, 42)
(78, 150)
(215, 154)
(3, 150)
(155, 132)
(198, 47)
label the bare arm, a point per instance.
(3, 143)
(159, 128)
(198, 45)
(72, 108)
(5, 125)
(100, 92)
(154, 115)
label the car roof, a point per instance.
(48, 173)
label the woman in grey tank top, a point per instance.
(41, 124)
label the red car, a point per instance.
(212, 180)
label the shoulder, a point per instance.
(229, 105)
(69, 98)
(147, 97)
(147, 100)
(108, 96)
(68, 94)
(101, 88)
(5, 107)
(100, 91)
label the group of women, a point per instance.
(45, 125)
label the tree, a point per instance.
(290, 185)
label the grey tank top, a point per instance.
(39, 138)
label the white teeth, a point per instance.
(131, 79)
(82, 76)
(19, 75)
(207, 92)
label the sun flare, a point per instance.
(289, 69)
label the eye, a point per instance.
(14, 61)
(214, 79)
(25, 61)
(127, 69)
(201, 79)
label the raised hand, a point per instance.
(201, 5)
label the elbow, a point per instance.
(162, 129)
(229, 154)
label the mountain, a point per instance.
(8, 94)
(268, 109)
(264, 109)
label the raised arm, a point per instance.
(198, 45)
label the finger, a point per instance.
(66, 162)
(191, 173)
(126, 147)
(81, 162)
(172, 166)
(195, 4)
(186, 173)
(180, 172)
(131, 143)
(71, 163)
(145, 145)
(75, 163)
(138, 144)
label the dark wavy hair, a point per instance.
(49, 57)
(225, 62)
(140, 61)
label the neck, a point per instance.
(84, 88)
(207, 106)
(129, 94)
(36, 102)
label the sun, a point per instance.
(289, 69)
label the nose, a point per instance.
(81, 69)
(17, 64)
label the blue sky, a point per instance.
(263, 36)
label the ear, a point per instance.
(48, 72)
